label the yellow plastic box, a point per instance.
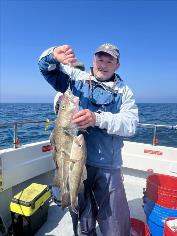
(29, 209)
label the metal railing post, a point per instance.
(15, 135)
(154, 137)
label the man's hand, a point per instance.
(84, 119)
(64, 54)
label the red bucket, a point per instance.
(139, 228)
(162, 189)
(167, 230)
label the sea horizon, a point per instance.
(149, 113)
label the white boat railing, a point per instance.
(20, 123)
(157, 126)
(47, 122)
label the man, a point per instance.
(109, 113)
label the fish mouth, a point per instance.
(71, 98)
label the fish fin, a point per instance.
(83, 178)
(65, 200)
(84, 173)
(81, 188)
(75, 207)
(70, 132)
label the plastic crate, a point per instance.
(162, 189)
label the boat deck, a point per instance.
(59, 221)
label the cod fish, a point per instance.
(65, 134)
(77, 169)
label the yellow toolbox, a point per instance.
(29, 209)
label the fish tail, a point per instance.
(75, 210)
(65, 200)
(75, 206)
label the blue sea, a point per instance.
(151, 113)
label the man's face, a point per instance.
(104, 66)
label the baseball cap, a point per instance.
(110, 49)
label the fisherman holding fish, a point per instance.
(108, 112)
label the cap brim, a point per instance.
(111, 54)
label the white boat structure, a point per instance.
(33, 163)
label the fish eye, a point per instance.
(63, 107)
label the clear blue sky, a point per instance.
(145, 32)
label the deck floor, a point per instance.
(59, 222)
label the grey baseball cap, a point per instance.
(110, 49)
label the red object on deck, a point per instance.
(162, 189)
(47, 148)
(155, 141)
(17, 141)
(167, 230)
(139, 228)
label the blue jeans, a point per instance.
(104, 201)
